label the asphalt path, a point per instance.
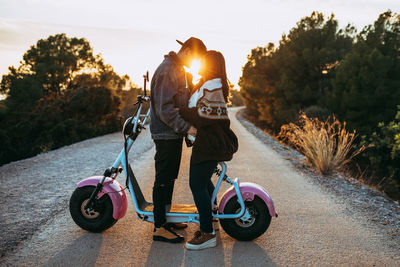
(313, 228)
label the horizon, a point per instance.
(134, 42)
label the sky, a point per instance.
(134, 35)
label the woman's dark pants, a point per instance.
(167, 161)
(202, 189)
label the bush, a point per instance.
(59, 120)
(317, 112)
(326, 145)
(384, 156)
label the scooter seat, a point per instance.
(177, 208)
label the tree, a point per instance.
(278, 82)
(60, 94)
(235, 98)
(254, 78)
(52, 63)
(366, 86)
(56, 64)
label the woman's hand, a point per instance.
(192, 131)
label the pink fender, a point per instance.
(114, 191)
(248, 191)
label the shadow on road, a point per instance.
(208, 257)
(165, 254)
(82, 252)
(250, 254)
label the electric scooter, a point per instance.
(244, 210)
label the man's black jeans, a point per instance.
(202, 189)
(167, 160)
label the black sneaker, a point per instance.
(167, 235)
(176, 226)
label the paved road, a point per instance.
(312, 228)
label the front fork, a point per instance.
(236, 184)
(244, 191)
(107, 173)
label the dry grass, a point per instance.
(327, 145)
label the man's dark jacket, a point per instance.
(168, 95)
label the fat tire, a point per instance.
(102, 222)
(260, 225)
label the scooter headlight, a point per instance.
(128, 126)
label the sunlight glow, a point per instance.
(194, 69)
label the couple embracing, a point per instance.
(179, 110)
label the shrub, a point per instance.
(384, 156)
(327, 145)
(318, 112)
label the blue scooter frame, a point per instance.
(244, 211)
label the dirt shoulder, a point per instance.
(380, 210)
(37, 189)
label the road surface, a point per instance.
(312, 227)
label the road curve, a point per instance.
(312, 228)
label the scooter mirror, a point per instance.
(146, 79)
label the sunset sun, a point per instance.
(194, 69)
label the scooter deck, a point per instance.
(178, 208)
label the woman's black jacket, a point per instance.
(207, 112)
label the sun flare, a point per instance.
(194, 69)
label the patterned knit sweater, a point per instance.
(207, 111)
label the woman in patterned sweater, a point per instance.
(214, 141)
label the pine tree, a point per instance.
(366, 88)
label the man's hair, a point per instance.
(196, 46)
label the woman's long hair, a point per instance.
(214, 67)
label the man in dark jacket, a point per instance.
(169, 93)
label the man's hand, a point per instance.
(192, 131)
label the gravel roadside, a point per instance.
(380, 210)
(37, 189)
(312, 229)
